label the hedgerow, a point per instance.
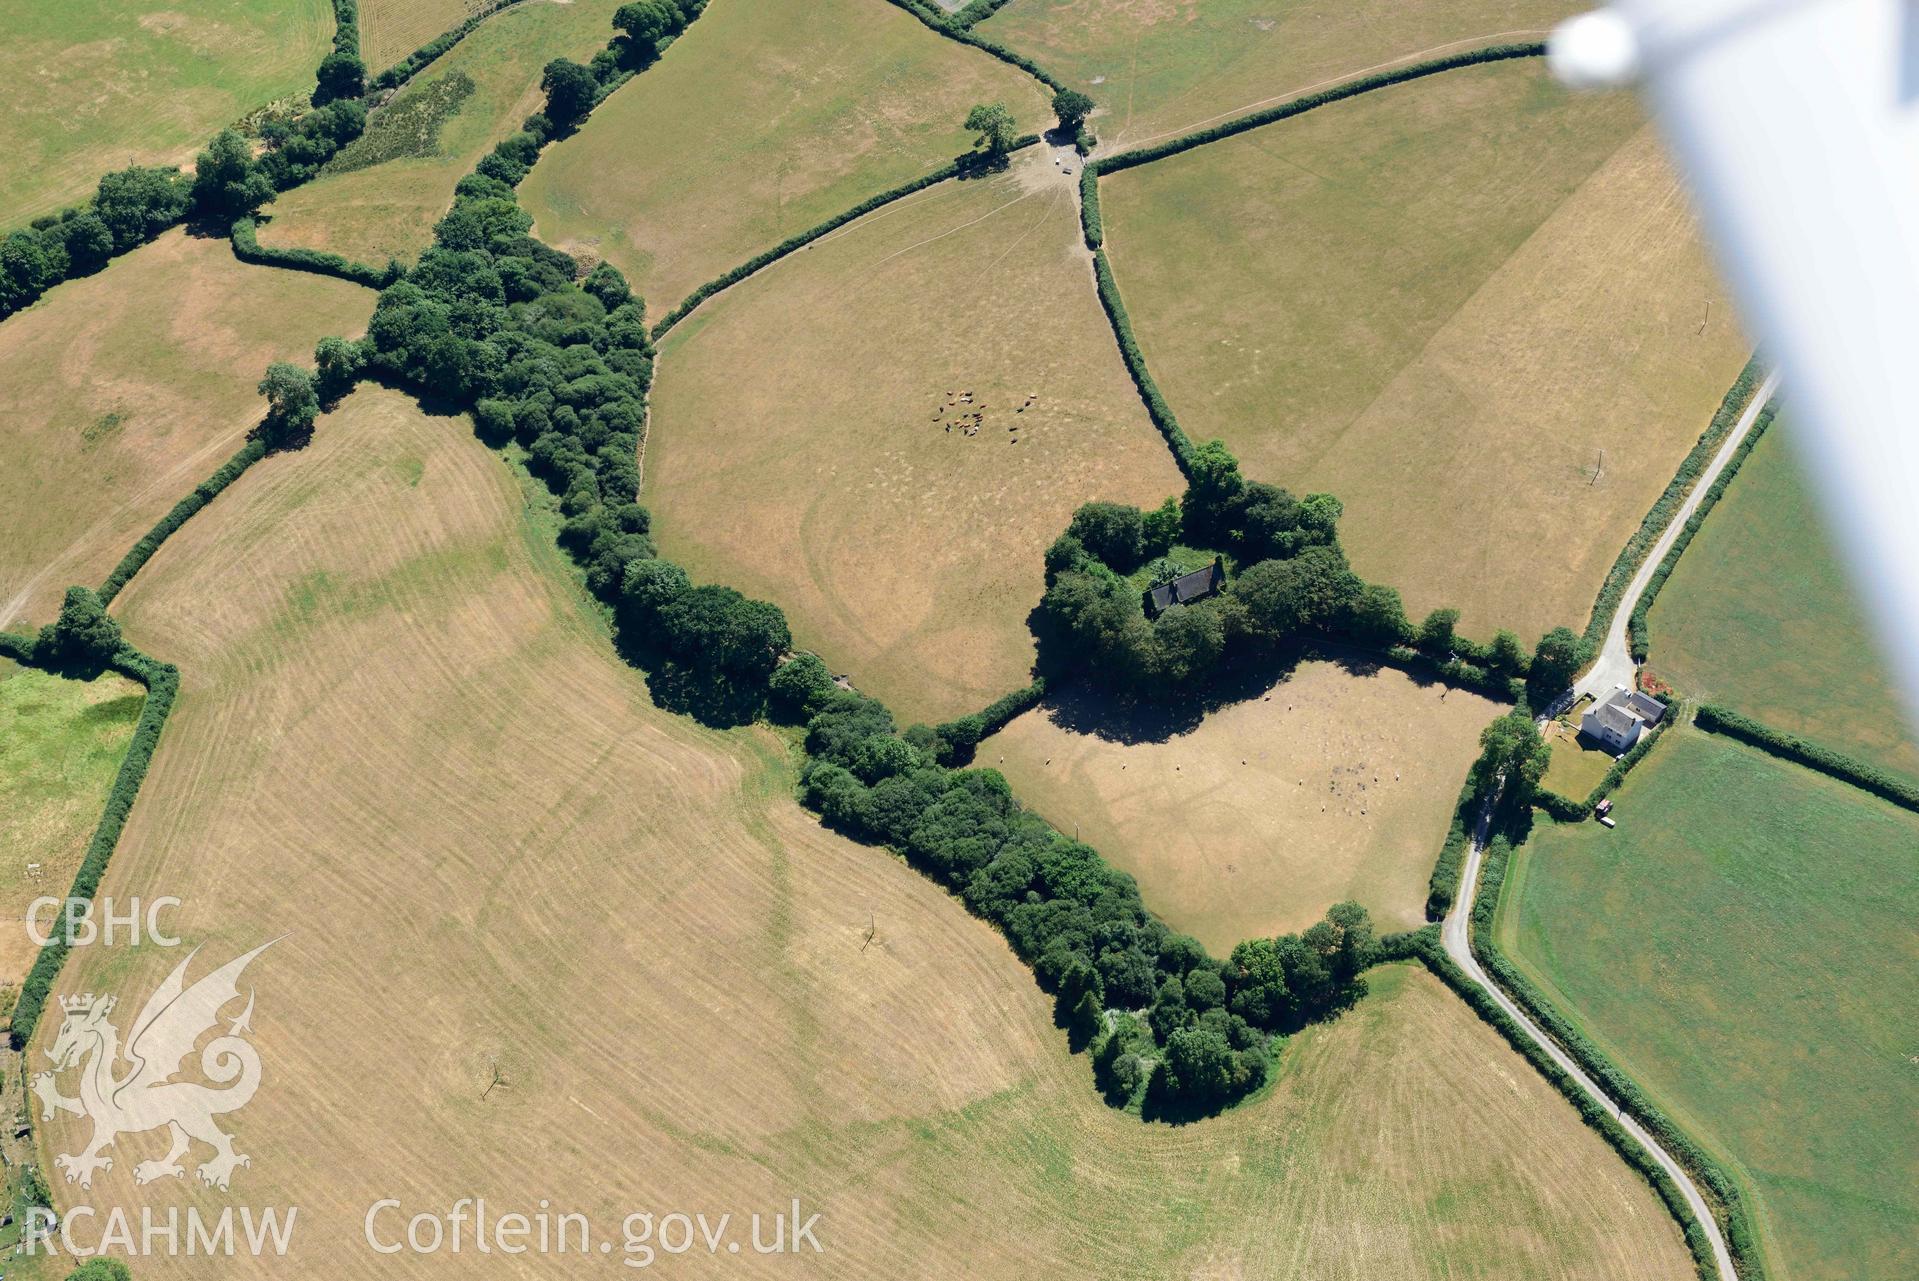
(1443, 888)
(1637, 633)
(947, 26)
(1731, 1211)
(247, 248)
(1424, 945)
(953, 741)
(1089, 219)
(1286, 110)
(417, 61)
(133, 205)
(205, 492)
(342, 74)
(1634, 552)
(1156, 407)
(977, 12)
(1724, 720)
(163, 683)
(801, 239)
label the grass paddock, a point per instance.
(1333, 784)
(1758, 614)
(1741, 945)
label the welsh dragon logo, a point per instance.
(145, 1096)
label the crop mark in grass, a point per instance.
(103, 426)
(410, 125)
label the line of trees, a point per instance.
(133, 205)
(1168, 1025)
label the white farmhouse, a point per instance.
(1622, 718)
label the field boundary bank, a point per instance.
(248, 249)
(1887, 786)
(151, 200)
(179, 514)
(1633, 555)
(945, 25)
(162, 682)
(397, 76)
(959, 168)
(1638, 633)
(1093, 229)
(1423, 945)
(1726, 1196)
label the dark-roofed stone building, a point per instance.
(1619, 721)
(1185, 589)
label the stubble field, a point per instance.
(1333, 784)
(764, 118)
(387, 210)
(812, 441)
(1758, 614)
(1164, 67)
(95, 84)
(1472, 306)
(124, 390)
(403, 741)
(1741, 945)
(391, 29)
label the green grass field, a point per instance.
(1473, 306)
(1758, 615)
(94, 84)
(807, 107)
(60, 743)
(1160, 67)
(388, 210)
(1742, 944)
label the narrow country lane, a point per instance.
(1456, 935)
(1614, 666)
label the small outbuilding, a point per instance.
(1619, 721)
(1186, 589)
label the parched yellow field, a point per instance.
(388, 210)
(122, 391)
(1331, 785)
(1163, 67)
(807, 444)
(805, 108)
(61, 742)
(93, 85)
(391, 29)
(403, 741)
(1475, 308)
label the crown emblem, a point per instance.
(85, 1003)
